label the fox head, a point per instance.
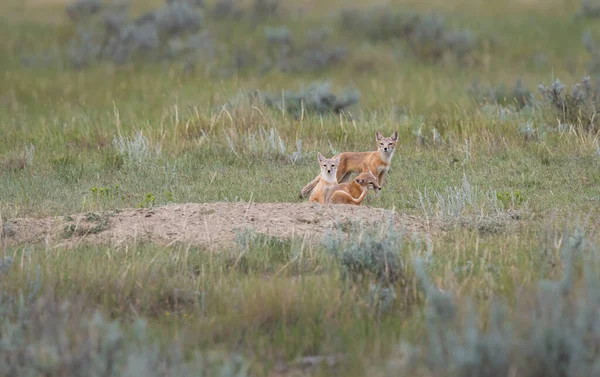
(386, 145)
(367, 179)
(329, 167)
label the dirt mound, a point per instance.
(211, 225)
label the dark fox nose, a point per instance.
(328, 171)
(385, 149)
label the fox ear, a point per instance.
(359, 181)
(321, 157)
(378, 135)
(337, 160)
(395, 136)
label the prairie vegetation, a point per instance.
(112, 111)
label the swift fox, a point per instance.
(352, 162)
(326, 179)
(353, 192)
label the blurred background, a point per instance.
(404, 55)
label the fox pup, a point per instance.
(351, 162)
(353, 192)
(326, 180)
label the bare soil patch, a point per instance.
(210, 225)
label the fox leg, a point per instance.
(380, 178)
(306, 190)
(380, 183)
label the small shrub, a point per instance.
(259, 11)
(42, 336)
(432, 41)
(104, 32)
(427, 36)
(518, 96)
(265, 144)
(499, 113)
(364, 256)
(452, 203)
(5, 264)
(578, 107)
(136, 151)
(29, 154)
(194, 3)
(7, 231)
(263, 9)
(133, 41)
(81, 10)
(589, 9)
(592, 48)
(374, 259)
(286, 55)
(315, 98)
(556, 333)
(178, 18)
(83, 49)
(531, 133)
(148, 201)
(468, 201)
(377, 23)
(194, 48)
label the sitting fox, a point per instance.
(353, 192)
(352, 162)
(326, 179)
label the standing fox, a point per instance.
(326, 180)
(353, 192)
(352, 162)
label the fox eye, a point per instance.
(333, 166)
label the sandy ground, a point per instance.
(211, 225)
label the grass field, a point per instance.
(506, 197)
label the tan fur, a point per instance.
(351, 162)
(355, 191)
(326, 180)
(342, 197)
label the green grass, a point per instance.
(279, 300)
(275, 300)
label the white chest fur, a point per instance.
(383, 169)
